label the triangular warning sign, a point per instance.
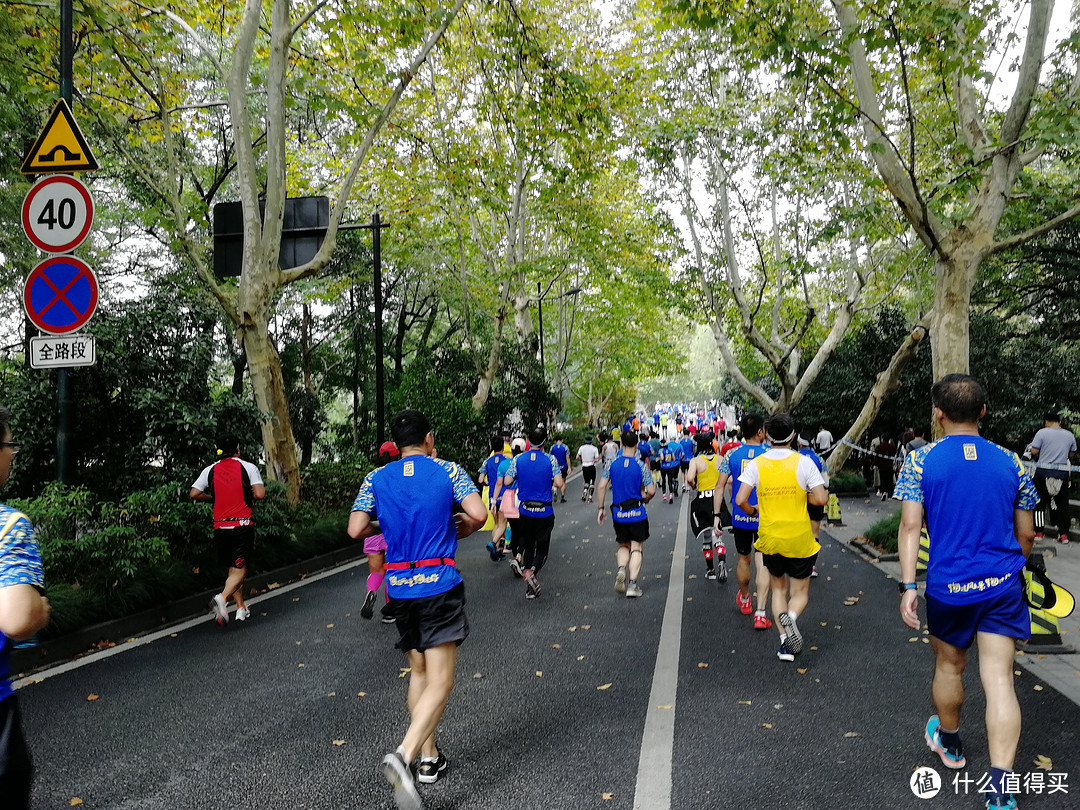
(60, 147)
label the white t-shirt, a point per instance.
(807, 475)
(824, 440)
(611, 452)
(588, 454)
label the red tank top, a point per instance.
(231, 485)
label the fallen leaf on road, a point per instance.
(298, 643)
(556, 646)
(172, 635)
(339, 742)
(814, 648)
(581, 658)
(75, 801)
(604, 687)
(828, 579)
(801, 670)
(1044, 763)
(478, 676)
(299, 665)
(273, 585)
(607, 796)
(778, 705)
(659, 576)
(766, 725)
(1037, 688)
(913, 638)
(586, 627)
(745, 703)
(926, 641)
(329, 626)
(331, 694)
(572, 629)
(296, 598)
(851, 734)
(689, 599)
(692, 576)
(539, 674)
(702, 665)
(824, 624)
(91, 697)
(1016, 672)
(666, 706)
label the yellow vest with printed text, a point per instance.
(784, 524)
(706, 479)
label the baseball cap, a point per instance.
(388, 449)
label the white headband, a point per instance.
(790, 436)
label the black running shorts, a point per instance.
(744, 541)
(235, 546)
(430, 620)
(16, 771)
(588, 474)
(636, 532)
(794, 567)
(701, 513)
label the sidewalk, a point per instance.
(1062, 564)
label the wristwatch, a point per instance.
(904, 587)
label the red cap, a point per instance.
(388, 448)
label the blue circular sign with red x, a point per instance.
(60, 295)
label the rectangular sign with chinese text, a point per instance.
(62, 351)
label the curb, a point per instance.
(85, 640)
(871, 551)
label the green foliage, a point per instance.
(847, 483)
(883, 534)
(332, 486)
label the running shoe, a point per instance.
(633, 590)
(562, 499)
(814, 573)
(387, 619)
(710, 574)
(1064, 539)
(515, 566)
(584, 495)
(794, 637)
(746, 606)
(431, 770)
(532, 584)
(221, 612)
(620, 581)
(784, 652)
(400, 778)
(493, 552)
(997, 801)
(368, 610)
(951, 757)
(762, 622)
(722, 572)
(242, 614)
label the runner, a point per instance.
(664, 425)
(535, 472)
(631, 489)
(588, 455)
(816, 513)
(976, 500)
(414, 498)
(611, 450)
(562, 458)
(745, 527)
(375, 548)
(654, 456)
(232, 485)
(489, 475)
(708, 473)
(687, 444)
(785, 483)
(670, 458)
(507, 497)
(731, 443)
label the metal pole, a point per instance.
(540, 325)
(376, 226)
(64, 399)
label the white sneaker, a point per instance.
(221, 611)
(633, 590)
(242, 614)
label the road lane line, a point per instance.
(125, 646)
(653, 790)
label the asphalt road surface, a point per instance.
(579, 699)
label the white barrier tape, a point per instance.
(1029, 465)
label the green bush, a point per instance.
(332, 486)
(846, 483)
(883, 533)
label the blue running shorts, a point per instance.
(1003, 614)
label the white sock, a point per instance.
(783, 637)
(792, 615)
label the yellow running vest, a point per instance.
(707, 478)
(784, 525)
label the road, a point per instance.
(575, 700)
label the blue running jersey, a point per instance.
(491, 471)
(628, 478)
(414, 498)
(534, 471)
(969, 488)
(738, 458)
(670, 455)
(561, 453)
(687, 448)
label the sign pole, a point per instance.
(376, 244)
(64, 400)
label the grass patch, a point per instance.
(883, 533)
(847, 483)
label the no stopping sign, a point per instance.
(57, 214)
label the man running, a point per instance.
(562, 457)
(976, 499)
(588, 455)
(611, 450)
(489, 476)
(670, 458)
(687, 443)
(816, 513)
(232, 485)
(745, 527)
(785, 483)
(535, 473)
(414, 498)
(631, 488)
(708, 473)
(1051, 448)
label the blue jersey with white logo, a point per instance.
(414, 498)
(738, 458)
(628, 478)
(534, 471)
(687, 448)
(491, 471)
(561, 453)
(969, 488)
(644, 450)
(670, 455)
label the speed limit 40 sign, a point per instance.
(57, 214)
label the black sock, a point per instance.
(950, 739)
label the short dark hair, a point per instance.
(703, 440)
(1052, 416)
(920, 432)
(227, 444)
(409, 428)
(780, 429)
(629, 439)
(751, 423)
(538, 435)
(497, 443)
(644, 437)
(960, 397)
